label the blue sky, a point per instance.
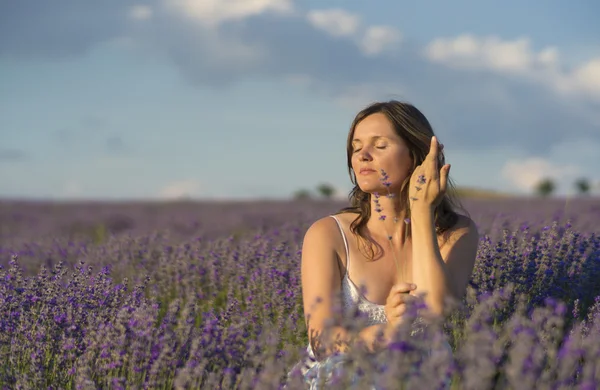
(245, 99)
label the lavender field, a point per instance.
(195, 295)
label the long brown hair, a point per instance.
(414, 128)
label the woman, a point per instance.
(400, 239)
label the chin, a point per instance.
(372, 189)
(381, 190)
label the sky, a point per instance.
(224, 99)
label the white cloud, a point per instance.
(340, 23)
(140, 12)
(587, 77)
(525, 174)
(181, 189)
(548, 57)
(378, 38)
(335, 22)
(518, 58)
(468, 51)
(215, 12)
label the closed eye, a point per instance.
(378, 147)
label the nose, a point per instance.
(364, 155)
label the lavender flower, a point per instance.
(172, 299)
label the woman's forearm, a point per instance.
(429, 269)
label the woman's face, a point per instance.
(376, 146)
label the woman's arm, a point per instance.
(438, 274)
(441, 274)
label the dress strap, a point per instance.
(345, 242)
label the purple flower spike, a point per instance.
(384, 179)
(382, 217)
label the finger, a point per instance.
(433, 160)
(408, 299)
(398, 311)
(403, 299)
(404, 287)
(433, 149)
(395, 312)
(444, 177)
(398, 299)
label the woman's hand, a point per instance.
(428, 181)
(395, 305)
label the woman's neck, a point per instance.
(388, 217)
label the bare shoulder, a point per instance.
(464, 223)
(347, 217)
(320, 246)
(321, 231)
(464, 228)
(326, 229)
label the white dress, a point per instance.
(352, 301)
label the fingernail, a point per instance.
(413, 285)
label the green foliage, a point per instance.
(326, 190)
(582, 185)
(545, 187)
(302, 194)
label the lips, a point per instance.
(366, 171)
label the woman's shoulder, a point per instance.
(347, 216)
(329, 221)
(463, 225)
(463, 222)
(327, 228)
(325, 225)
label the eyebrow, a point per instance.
(375, 137)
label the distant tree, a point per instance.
(326, 190)
(302, 194)
(545, 187)
(583, 185)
